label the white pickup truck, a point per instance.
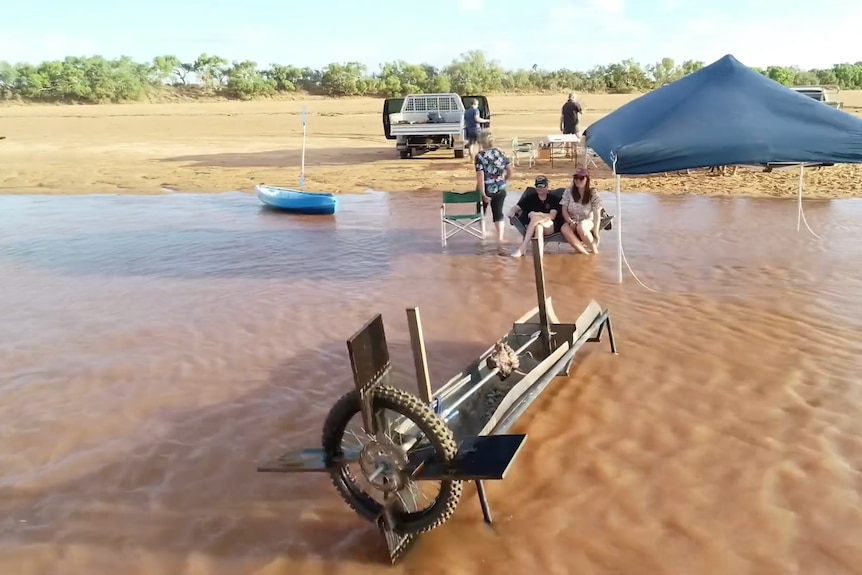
(820, 93)
(428, 122)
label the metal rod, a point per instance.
(799, 197)
(510, 417)
(484, 380)
(376, 473)
(619, 226)
(539, 268)
(483, 501)
(387, 515)
(367, 414)
(453, 385)
(611, 336)
(450, 387)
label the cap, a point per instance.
(582, 172)
(541, 182)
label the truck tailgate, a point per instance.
(428, 129)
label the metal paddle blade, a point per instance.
(308, 460)
(397, 543)
(369, 361)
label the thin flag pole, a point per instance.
(302, 164)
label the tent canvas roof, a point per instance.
(724, 114)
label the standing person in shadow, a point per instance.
(582, 210)
(493, 172)
(537, 212)
(569, 120)
(473, 121)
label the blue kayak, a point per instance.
(296, 201)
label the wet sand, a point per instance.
(155, 349)
(216, 147)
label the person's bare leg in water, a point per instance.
(571, 236)
(539, 224)
(585, 230)
(501, 230)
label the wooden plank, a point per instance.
(420, 357)
(539, 268)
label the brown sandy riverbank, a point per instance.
(214, 147)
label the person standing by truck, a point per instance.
(473, 121)
(569, 120)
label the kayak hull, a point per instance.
(295, 201)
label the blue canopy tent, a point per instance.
(724, 114)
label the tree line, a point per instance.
(96, 79)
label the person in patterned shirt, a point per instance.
(582, 209)
(493, 172)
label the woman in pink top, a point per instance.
(581, 207)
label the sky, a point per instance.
(553, 34)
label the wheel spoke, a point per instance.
(358, 441)
(408, 497)
(414, 496)
(383, 427)
(396, 433)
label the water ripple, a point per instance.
(155, 349)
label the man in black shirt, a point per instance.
(569, 119)
(569, 116)
(536, 211)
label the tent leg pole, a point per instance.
(619, 231)
(799, 198)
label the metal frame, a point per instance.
(557, 238)
(485, 451)
(590, 156)
(560, 143)
(370, 363)
(522, 148)
(468, 226)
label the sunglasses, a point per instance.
(580, 178)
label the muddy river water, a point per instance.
(153, 350)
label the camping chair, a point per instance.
(557, 238)
(525, 150)
(472, 222)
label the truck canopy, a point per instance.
(820, 93)
(811, 92)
